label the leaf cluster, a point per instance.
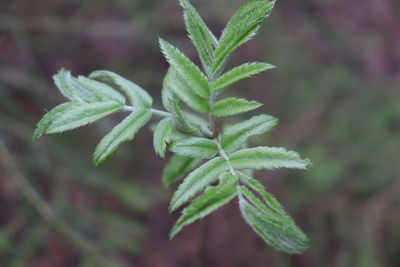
(211, 167)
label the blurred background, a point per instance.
(335, 91)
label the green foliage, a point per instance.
(229, 164)
(239, 73)
(201, 36)
(123, 132)
(136, 95)
(233, 106)
(195, 147)
(162, 136)
(213, 198)
(235, 136)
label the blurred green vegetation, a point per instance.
(335, 91)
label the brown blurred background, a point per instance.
(335, 91)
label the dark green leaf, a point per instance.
(177, 167)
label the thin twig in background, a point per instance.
(46, 212)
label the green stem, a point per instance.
(211, 118)
(223, 154)
(156, 112)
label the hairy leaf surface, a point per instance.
(200, 34)
(213, 198)
(233, 106)
(123, 132)
(241, 28)
(74, 115)
(137, 96)
(69, 87)
(197, 181)
(276, 229)
(45, 122)
(177, 167)
(235, 136)
(186, 69)
(162, 136)
(239, 73)
(195, 147)
(267, 158)
(180, 87)
(102, 91)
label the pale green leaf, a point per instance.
(102, 91)
(241, 28)
(162, 136)
(69, 87)
(186, 69)
(177, 167)
(123, 132)
(232, 106)
(275, 228)
(49, 117)
(268, 199)
(195, 147)
(213, 198)
(199, 33)
(181, 89)
(137, 96)
(197, 181)
(267, 158)
(235, 136)
(239, 73)
(74, 115)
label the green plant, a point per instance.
(227, 172)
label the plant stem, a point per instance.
(226, 157)
(211, 118)
(46, 212)
(156, 112)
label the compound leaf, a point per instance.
(195, 147)
(239, 73)
(242, 27)
(232, 106)
(213, 198)
(123, 132)
(137, 96)
(186, 69)
(235, 136)
(162, 136)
